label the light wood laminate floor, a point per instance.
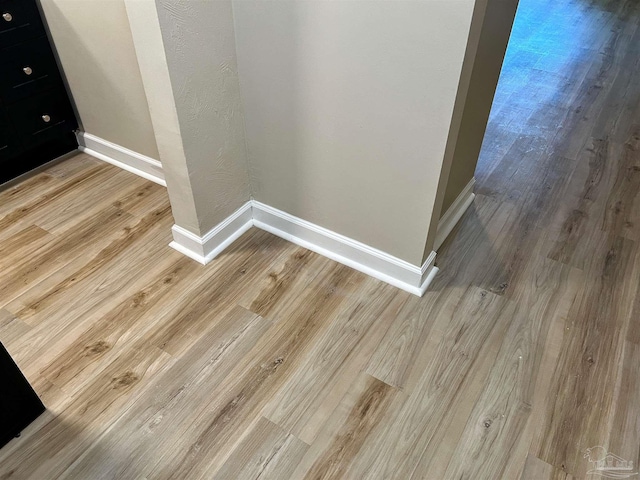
(275, 363)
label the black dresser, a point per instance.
(19, 404)
(36, 118)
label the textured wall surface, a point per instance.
(96, 49)
(348, 107)
(199, 43)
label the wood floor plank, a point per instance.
(53, 177)
(98, 406)
(11, 327)
(586, 372)
(471, 248)
(624, 433)
(244, 267)
(345, 346)
(66, 302)
(400, 440)
(25, 190)
(536, 469)
(346, 430)
(25, 242)
(66, 216)
(143, 199)
(177, 398)
(266, 452)
(550, 353)
(78, 162)
(620, 218)
(19, 214)
(133, 312)
(309, 428)
(94, 233)
(76, 358)
(262, 372)
(123, 246)
(49, 341)
(393, 360)
(285, 278)
(505, 406)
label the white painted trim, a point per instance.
(124, 158)
(204, 249)
(347, 251)
(453, 215)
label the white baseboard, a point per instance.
(204, 249)
(345, 250)
(453, 215)
(124, 158)
(394, 271)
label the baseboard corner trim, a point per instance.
(453, 215)
(349, 252)
(206, 248)
(428, 273)
(121, 157)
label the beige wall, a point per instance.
(94, 43)
(495, 22)
(348, 108)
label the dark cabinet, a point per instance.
(19, 404)
(19, 20)
(36, 118)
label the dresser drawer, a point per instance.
(9, 143)
(19, 20)
(28, 68)
(42, 117)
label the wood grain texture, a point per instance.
(502, 410)
(267, 451)
(357, 416)
(536, 469)
(178, 399)
(273, 362)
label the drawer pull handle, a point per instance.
(46, 118)
(27, 70)
(7, 17)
